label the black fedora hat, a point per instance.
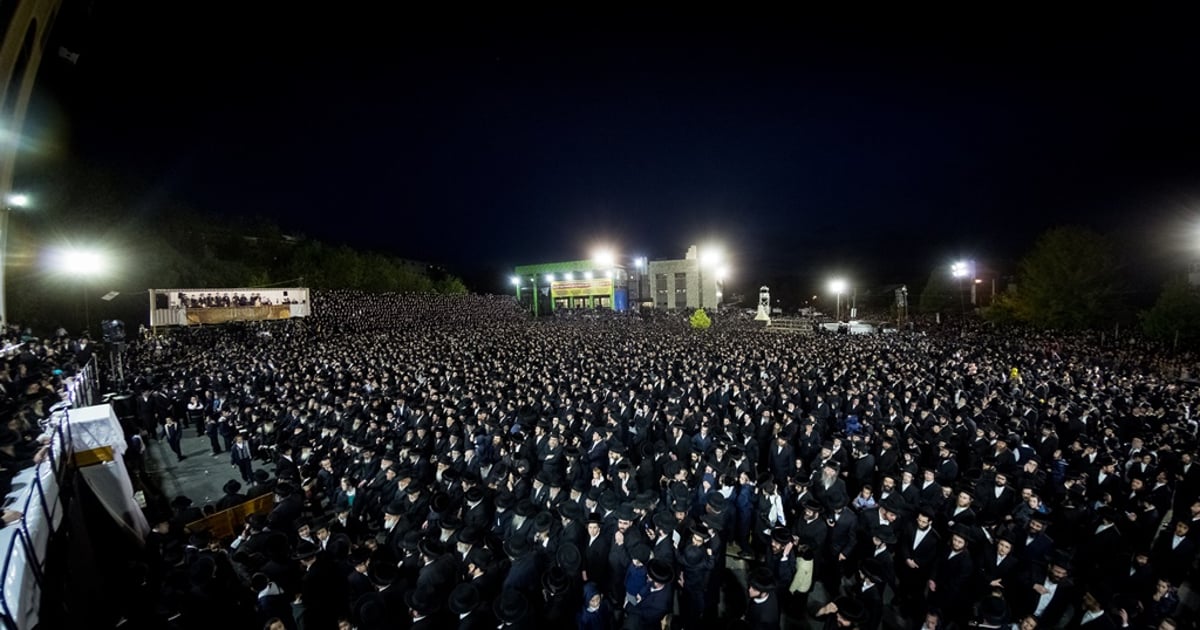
(421, 600)
(470, 535)
(693, 557)
(516, 546)
(369, 610)
(511, 606)
(526, 508)
(762, 580)
(569, 558)
(555, 580)
(885, 535)
(570, 510)
(464, 599)
(305, 550)
(430, 547)
(659, 571)
(232, 486)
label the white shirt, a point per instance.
(1103, 527)
(1044, 600)
(1175, 540)
(921, 534)
(1090, 615)
(999, 559)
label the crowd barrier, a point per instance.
(229, 522)
(36, 494)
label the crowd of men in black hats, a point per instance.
(443, 461)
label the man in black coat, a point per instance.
(762, 609)
(1174, 553)
(322, 589)
(916, 552)
(952, 576)
(828, 488)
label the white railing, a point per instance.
(36, 494)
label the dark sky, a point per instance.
(807, 144)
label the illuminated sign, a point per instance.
(581, 288)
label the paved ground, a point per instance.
(200, 475)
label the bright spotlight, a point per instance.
(516, 281)
(959, 269)
(837, 286)
(711, 256)
(549, 277)
(79, 262)
(587, 275)
(17, 200)
(722, 273)
(604, 258)
(640, 262)
(568, 276)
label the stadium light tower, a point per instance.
(838, 287)
(962, 270)
(711, 257)
(81, 264)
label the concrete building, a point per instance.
(576, 284)
(697, 281)
(611, 284)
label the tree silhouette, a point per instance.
(1071, 280)
(1175, 315)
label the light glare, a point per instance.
(79, 262)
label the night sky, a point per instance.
(807, 145)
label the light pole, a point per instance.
(960, 270)
(81, 264)
(838, 287)
(15, 200)
(639, 263)
(710, 256)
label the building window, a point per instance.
(681, 300)
(660, 290)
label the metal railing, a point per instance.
(36, 493)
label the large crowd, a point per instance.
(445, 461)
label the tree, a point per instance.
(1177, 312)
(1071, 280)
(699, 320)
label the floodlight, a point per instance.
(17, 200)
(604, 258)
(549, 277)
(516, 281)
(711, 256)
(587, 275)
(79, 262)
(959, 269)
(837, 286)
